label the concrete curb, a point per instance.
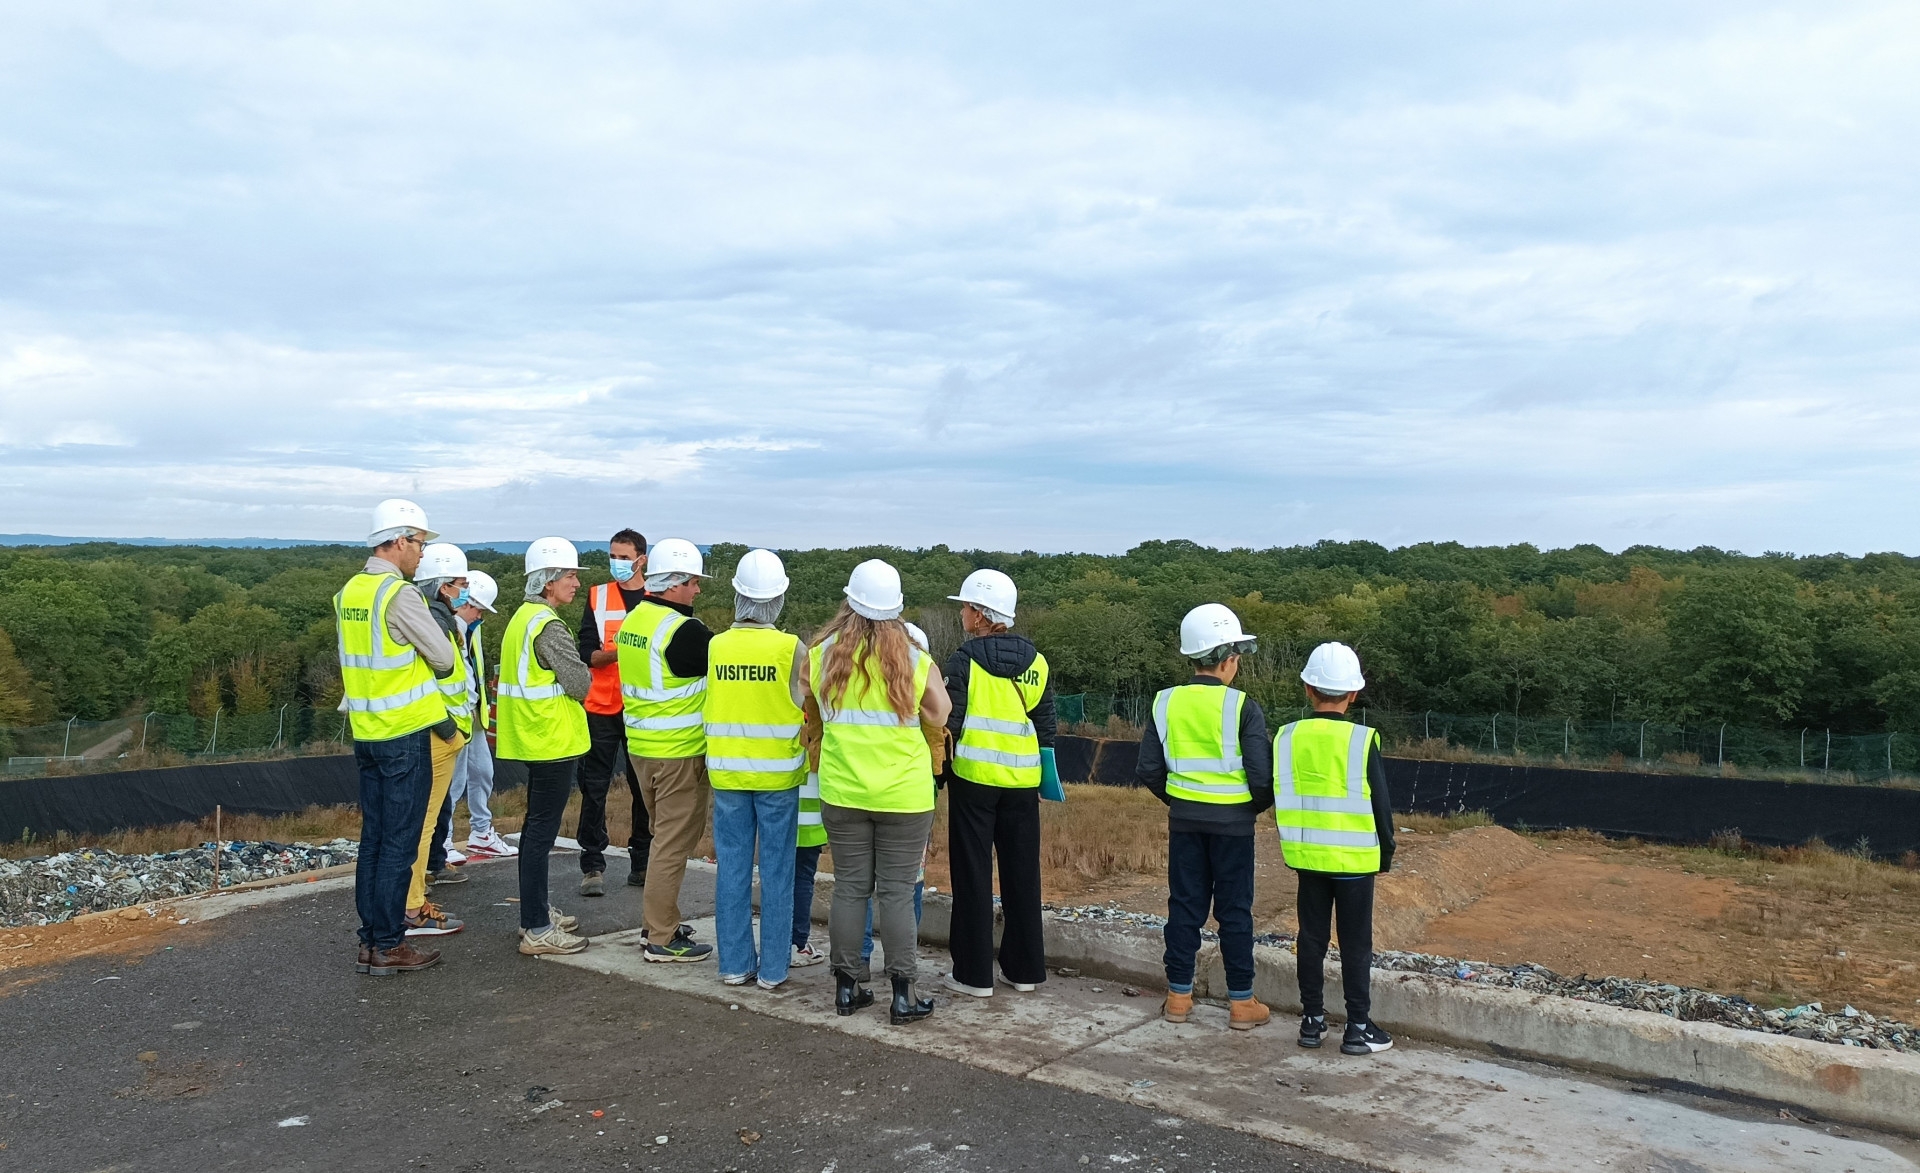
(1880, 1089)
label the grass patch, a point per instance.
(1441, 824)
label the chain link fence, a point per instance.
(1735, 750)
(161, 739)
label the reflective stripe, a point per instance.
(885, 717)
(382, 704)
(996, 725)
(1354, 802)
(678, 721)
(716, 729)
(347, 661)
(811, 787)
(1215, 787)
(530, 692)
(758, 765)
(664, 694)
(1319, 838)
(810, 819)
(1229, 736)
(998, 757)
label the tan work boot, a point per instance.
(1247, 1013)
(1178, 1006)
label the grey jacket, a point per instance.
(555, 650)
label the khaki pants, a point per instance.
(445, 754)
(677, 797)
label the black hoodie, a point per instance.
(1006, 655)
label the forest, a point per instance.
(1831, 642)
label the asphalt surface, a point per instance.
(189, 1059)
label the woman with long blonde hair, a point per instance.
(873, 688)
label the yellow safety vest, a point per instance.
(998, 746)
(538, 721)
(1199, 728)
(662, 710)
(871, 758)
(389, 689)
(813, 832)
(752, 725)
(478, 646)
(1322, 802)
(456, 688)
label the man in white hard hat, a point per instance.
(757, 764)
(542, 682)
(607, 607)
(1336, 831)
(1002, 724)
(1206, 755)
(663, 681)
(391, 656)
(474, 780)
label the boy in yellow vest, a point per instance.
(1336, 831)
(1205, 754)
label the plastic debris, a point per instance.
(294, 1122)
(49, 889)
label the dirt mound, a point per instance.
(1434, 875)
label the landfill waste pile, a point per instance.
(1846, 1027)
(52, 888)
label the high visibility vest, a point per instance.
(998, 746)
(871, 758)
(813, 833)
(662, 710)
(752, 725)
(456, 688)
(478, 647)
(1200, 737)
(389, 689)
(538, 721)
(609, 610)
(1322, 802)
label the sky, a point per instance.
(1051, 277)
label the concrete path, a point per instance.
(1417, 1108)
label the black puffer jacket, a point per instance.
(1006, 655)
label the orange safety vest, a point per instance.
(609, 609)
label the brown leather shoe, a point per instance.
(1247, 1013)
(402, 958)
(365, 959)
(1178, 1007)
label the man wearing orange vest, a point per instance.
(607, 606)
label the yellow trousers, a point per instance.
(445, 753)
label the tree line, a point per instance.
(1705, 635)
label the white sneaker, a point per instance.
(805, 955)
(489, 844)
(561, 920)
(959, 987)
(554, 940)
(1023, 987)
(764, 984)
(454, 856)
(735, 979)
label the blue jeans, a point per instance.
(742, 820)
(1210, 873)
(396, 776)
(866, 945)
(806, 862)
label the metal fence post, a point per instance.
(1496, 733)
(1643, 741)
(281, 729)
(1890, 738)
(1566, 739)
(1827, 764)
(1803, 748)
(214, 741)
(143, 732)
(66, 746)
(1723, 743)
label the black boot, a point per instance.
(906, 1007)
(848, 994)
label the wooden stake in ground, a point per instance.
(216, 847)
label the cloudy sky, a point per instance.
(1059, 276)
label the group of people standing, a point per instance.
(784, 746)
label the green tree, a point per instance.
(1741, 645)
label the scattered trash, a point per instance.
(1786, 1115)
(748, 1136)
(97, 981)
(294, 1122)
(536, 1093)
(195, 1024)
(1143, 1083)
(49, 889)
(1130, 991)
(659, 1140)
(148, 1056)
(549, 1106)
(597, 1113)
(733, 1005)
(1096, 990)
(1064, 971)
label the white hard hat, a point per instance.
(1333, 668)
(675, 556)
(874, 590)
(482, 589)
(441, 560)
(552, 554)
(760, 575)
(1207, 627)
(395, 516)
(918, 636)
(989, 589)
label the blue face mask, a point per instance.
(462, 599)
(620, 568)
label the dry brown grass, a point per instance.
(1441, 824)
(1103, 831)
(316, 824)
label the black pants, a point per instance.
(1210, 873)
(609, 749)
(1321, 896)
(549, 785)
(442, 828)
(981, 820)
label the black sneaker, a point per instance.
(678, 949)
(1364, 1038)
(1312, 1030)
